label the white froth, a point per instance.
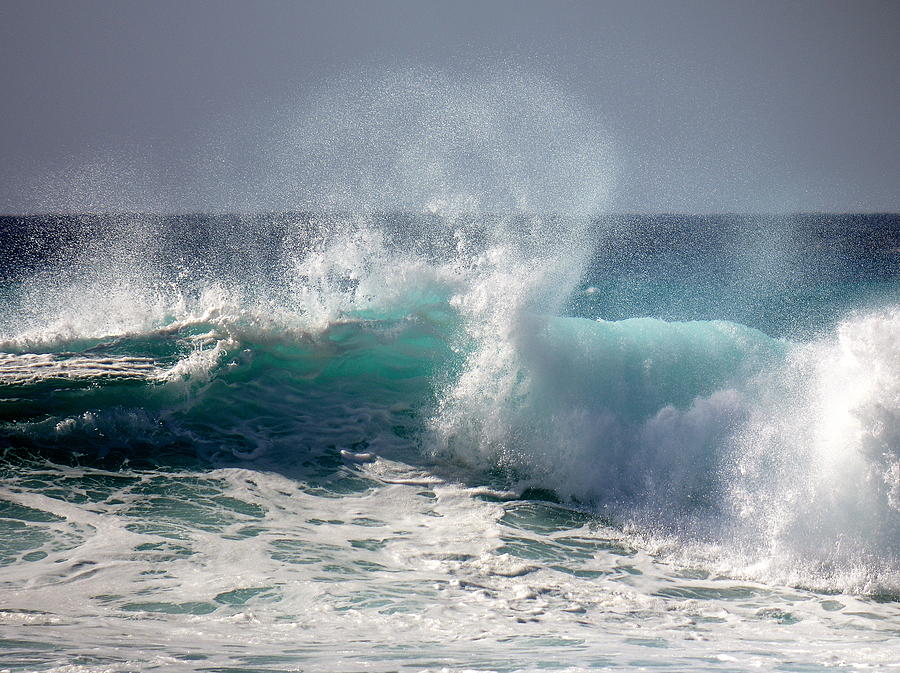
(338, 583)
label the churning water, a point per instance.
(445, 416)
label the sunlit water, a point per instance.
(410, 443)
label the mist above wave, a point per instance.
(438, 331)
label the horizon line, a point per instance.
(259, 213)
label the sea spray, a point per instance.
(259, 474)
(815, 479)
(412, 308)
(422, 141)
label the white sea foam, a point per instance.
(363, 375)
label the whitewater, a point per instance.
(448, 416)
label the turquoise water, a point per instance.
(316, 443)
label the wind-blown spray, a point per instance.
(392, 408)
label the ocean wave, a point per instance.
(700, 435)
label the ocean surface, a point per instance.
(399, 442)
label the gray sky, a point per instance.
(703, 106)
